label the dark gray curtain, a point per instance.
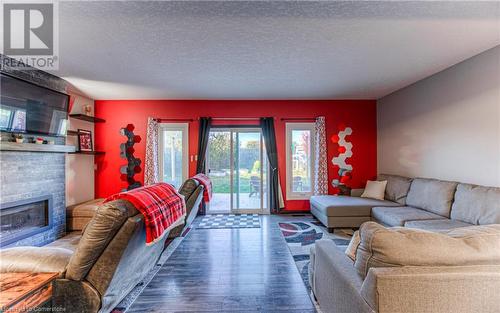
(267, 125)
(204, 132)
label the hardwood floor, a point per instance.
(229, 270)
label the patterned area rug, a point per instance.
(229, 221)
(300, 236)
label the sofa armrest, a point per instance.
(34, 260)
(449, 289)
(337, 285)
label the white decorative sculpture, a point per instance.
(340, 160)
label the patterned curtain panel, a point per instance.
(320, 158)
(151, 168)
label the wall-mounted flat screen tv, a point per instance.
(31, 109)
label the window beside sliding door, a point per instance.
(173, 153)
(299, 160)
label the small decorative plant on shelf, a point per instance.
(127, 152)
(19, 138)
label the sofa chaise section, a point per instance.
(351, 212)
(344, 211)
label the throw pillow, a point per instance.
(375, 190)
(353, 246)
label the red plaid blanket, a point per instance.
(207, 184)
(162, 206)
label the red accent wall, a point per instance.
(360, 115)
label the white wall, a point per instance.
(446, 126)
(79, 167)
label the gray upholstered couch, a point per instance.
(423, 205)
(99, 266)
(419, 203)
(404, 270)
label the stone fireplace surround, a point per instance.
(29, 175)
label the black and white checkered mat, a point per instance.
(229, 221)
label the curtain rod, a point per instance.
(230, 119)
(174, 119)
(235, 118)
(298, 118)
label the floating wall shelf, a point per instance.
(89, 152)
(72, 132)
(87, 118)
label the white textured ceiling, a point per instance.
(266, 50)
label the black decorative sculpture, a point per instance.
(127, 152)
(340, 183)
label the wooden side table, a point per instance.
(24, 292)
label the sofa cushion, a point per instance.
(34, 259)
(397, 216)
(436, 225)
(389, 247)
(346, 206)
(476, 204)
(432, 195)
(70, 241)
(397, 187)
(101, 229)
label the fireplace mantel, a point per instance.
(33, 147)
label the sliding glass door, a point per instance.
(237, 165)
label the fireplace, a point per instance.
(24, 218)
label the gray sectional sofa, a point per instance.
(422, 203)
(404, 270)
(444, 256)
